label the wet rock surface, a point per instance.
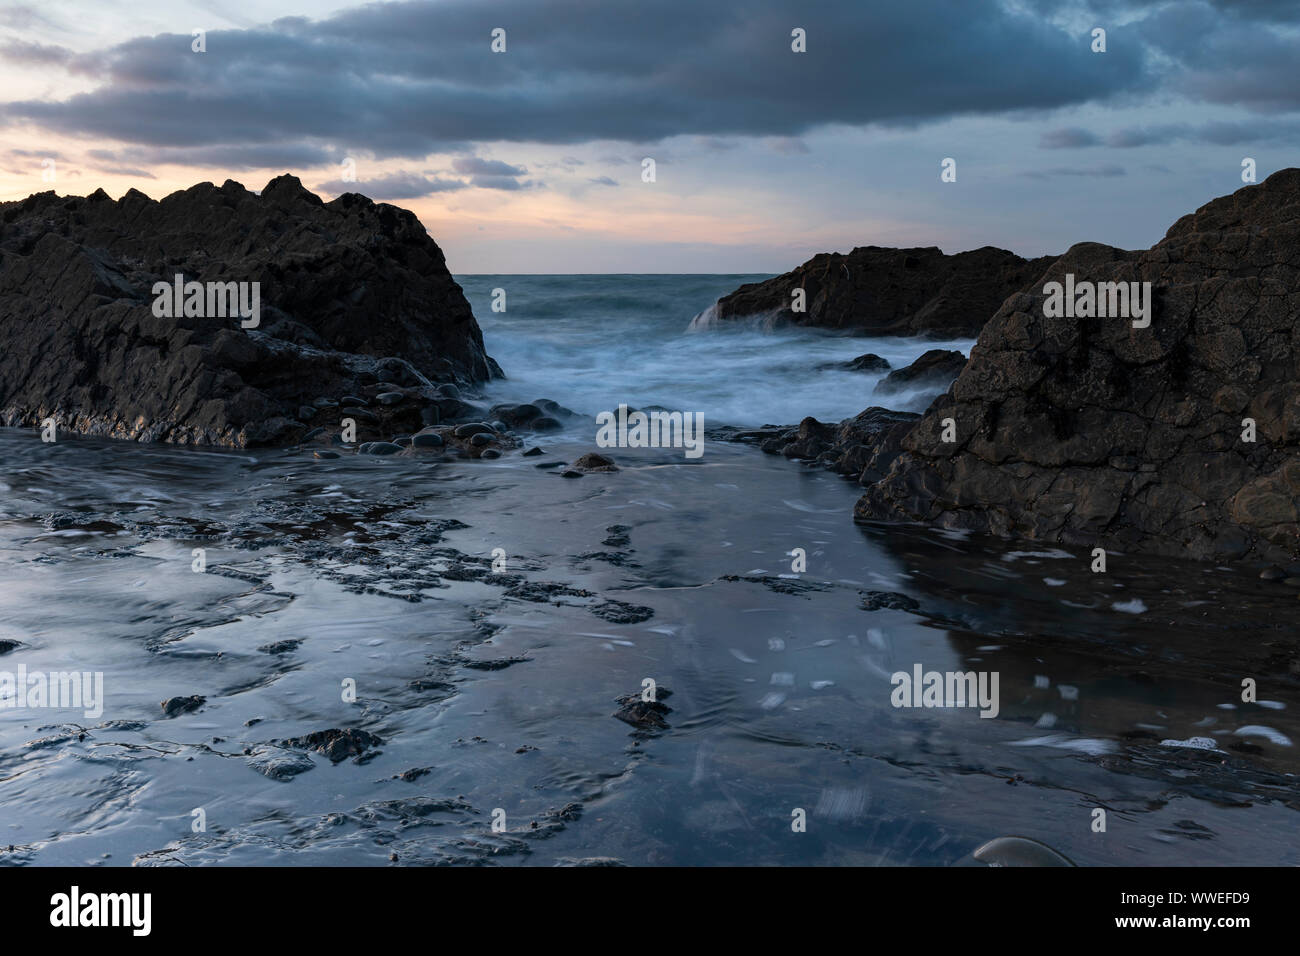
(935, 370)
(883, 291)
(352, 293)
(1092, 431)
(862, 448)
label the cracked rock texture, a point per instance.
(352, 292)
(1089, 432)
(882, 291)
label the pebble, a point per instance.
(389, 398)
(325, 454)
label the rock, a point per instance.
(362, 414)
(489, 453)
(1272, 573)
(342, 287)
(429, 415)
(935, 370)
(281, 647)
(882, 291)
(423, 440)
(544, 424)
(533, 452)
(593, 462)
(1090, 432)
(567, 473)
(181, 705)
(313, 434)
(471, 429)
(390, 398)
(325, 454)
(335, 744)
(862, 447)
(890, 600)
(379, 448)
(480, 439)
(281, 765)
(868, 363)
(515, 416)
(355, 401)
(642, 714)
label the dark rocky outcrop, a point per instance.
(352, 294)
(870, 362)
(936, 370)
(1089, 431)
(881, 291)
(861, 448)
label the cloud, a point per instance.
(1214, 133)
(602, 181)
(410, 79)
(125, 171)
(1071, 138)
(397, 185)
(789, 146)
(34, 54)
(477, 166)
(1101, 172)
(509, 183)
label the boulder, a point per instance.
(1100, 432)
(882, 291)
(351, 293)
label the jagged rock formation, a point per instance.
(881, 291)
(861, 448)
(352, 293)
(1090, 431)
(936, 370)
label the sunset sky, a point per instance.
(530, 160)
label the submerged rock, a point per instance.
(343, 288)
(1094, 431)
(647, 715)
(335, 744)
(593, 462)
(182, 705)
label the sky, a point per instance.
(531, 159)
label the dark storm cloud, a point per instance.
(408, 79)
(393, 186)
